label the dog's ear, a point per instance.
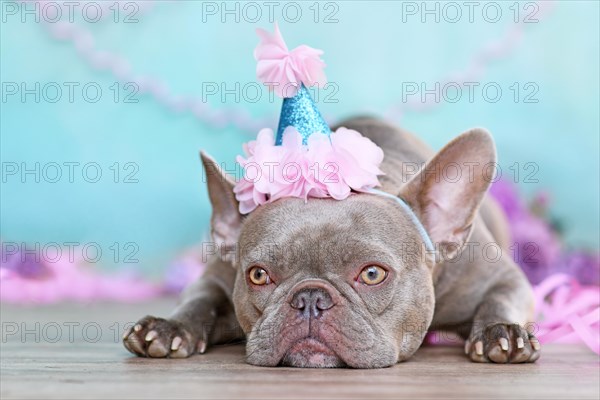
(226, 220)
(447, 191)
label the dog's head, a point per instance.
(329, 283)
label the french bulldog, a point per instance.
(328, 283)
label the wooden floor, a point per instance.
(87, 360)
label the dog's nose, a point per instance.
(311, 302)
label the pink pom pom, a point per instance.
(327, 166)
(283, 70)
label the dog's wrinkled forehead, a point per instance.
(325, 232)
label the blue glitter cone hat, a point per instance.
(301, 112)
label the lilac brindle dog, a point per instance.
(351, 283)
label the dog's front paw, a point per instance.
(502, 343)
(159, 338)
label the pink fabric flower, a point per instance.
(283, 70)
(327, 166)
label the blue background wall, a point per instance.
(370, 52)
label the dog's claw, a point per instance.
(520, 343)
(137, 327)
(127, 333)
(176, 343)
(134, 344)
(467, 346)
(151, 336)
(479, 348)
(504, 343)
(201, 346)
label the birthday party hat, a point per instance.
(304, 158)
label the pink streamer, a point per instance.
(74, 281)
(568, 312)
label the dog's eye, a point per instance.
(372, 275)
(259, 276)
